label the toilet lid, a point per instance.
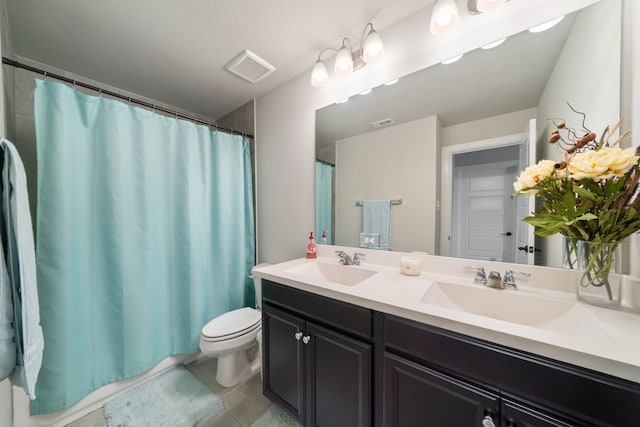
(232, 323)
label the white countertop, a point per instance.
(602, 339)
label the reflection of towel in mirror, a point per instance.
(376, 218)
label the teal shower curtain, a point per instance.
(144, 234)
(324, 206)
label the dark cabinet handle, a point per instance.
(508, 233)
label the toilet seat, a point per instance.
(232, 324)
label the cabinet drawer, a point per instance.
(341, 315)
(571, 392)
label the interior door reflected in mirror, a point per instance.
(509, 95)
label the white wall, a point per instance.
(490, 127)
(285, 117)
(375, 165)
(596, 33)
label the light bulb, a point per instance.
(494, 44)
(451, 60)
(444, 17)
(545, 26)
(344, 62)
(373, 50)
(319, 75)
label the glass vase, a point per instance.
(570, 252)
(599, 278)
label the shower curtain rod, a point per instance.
(100, 90)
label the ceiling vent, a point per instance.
(382, 123)
(249, 66)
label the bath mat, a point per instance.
(276, 417)
(173, 398)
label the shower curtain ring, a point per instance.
(45, 76)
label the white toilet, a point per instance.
(230, 335)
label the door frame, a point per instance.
(446, 179)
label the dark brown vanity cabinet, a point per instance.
(415, 395)
(317, 357)
(333, 364)
(479, 383)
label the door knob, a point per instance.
(306, 339)
(488, 422)
(298, 335)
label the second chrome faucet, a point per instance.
(494, 280)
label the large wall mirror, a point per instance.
(447, 142)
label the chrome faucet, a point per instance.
(494, 280)
(356, 258)
(481, 276)
(510, 278)
(345, 259)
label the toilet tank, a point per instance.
(257, 285)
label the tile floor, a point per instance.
(243, 404)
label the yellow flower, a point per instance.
(532, 175)
(603, 164)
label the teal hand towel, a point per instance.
(376, 218)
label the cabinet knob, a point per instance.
(487, 421)
(298, 335)
(306, 339)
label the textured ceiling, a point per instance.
(175, 51)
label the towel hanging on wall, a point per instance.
(376, 218)
(18, 277)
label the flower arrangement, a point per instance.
(592, 195)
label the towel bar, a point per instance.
(393, 202)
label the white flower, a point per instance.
(604, 164)
(532, 175)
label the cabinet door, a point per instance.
(418, 396)
(283, 363)
(339, 381)
(516, 415)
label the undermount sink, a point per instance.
(343, 274)
(507, 305)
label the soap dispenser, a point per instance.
(312, 248)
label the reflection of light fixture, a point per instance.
(494, 44)
(546, 25)
(480, 6)
(371, 50)
(451, 60)
(444, 17)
